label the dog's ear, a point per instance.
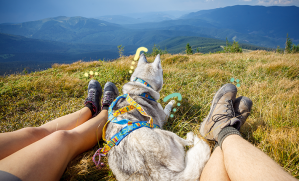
(157, 62)
(142, 59)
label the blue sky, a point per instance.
(28, 10)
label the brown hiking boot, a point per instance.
(221, 113)
(242, 107)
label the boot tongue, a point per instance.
(234, 122)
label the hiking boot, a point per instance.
(94, 96)
(242, 107)
(110, 93)
(221, 113)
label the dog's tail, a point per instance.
(195, 159)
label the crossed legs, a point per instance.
(45, 155)
(240, 160)
(235, 158)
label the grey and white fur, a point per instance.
(153, 154)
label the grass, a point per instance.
(271, 80)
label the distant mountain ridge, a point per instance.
(18, 52)
(68, 39)
(258, 25)
(272, 21)
(60, 28)
(151, 17)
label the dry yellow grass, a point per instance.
(271, 80)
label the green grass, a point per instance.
(271, 80)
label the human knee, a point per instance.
(63, 136)
(36, 132)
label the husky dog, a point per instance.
(153, 154)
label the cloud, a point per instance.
(278, 2)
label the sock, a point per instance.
(226, 132)
(90, 106)
(215, 146)
(106, 107)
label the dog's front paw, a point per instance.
(168, 108)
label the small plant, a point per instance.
(290, 47)
(189, 49)
(234, 48)
(25, 71)
(288, 43)
(278, 49)
(120, 50)
(156, 51)
(295, 49)
(197, 50)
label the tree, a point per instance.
(288, 48)
(227, 43)
(156, 51)
(278, 49)
(295, 49)
(197, 50)
(120, 50)
(234, 48)
(189, 49)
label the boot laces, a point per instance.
(108, 98)
(230, 111)
(91, 95)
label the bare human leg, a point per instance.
(11, 142)
(245, 162)
(239, 159)
(47, 158)
(14, 141)
(215, 169)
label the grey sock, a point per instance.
(226, 132)
(215, 146)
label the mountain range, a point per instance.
(69, 39)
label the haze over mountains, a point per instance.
(38, 44)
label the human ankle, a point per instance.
(225, 132)
(91, 108)
(105, 107)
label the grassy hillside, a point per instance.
(204, 45)
(271, 80)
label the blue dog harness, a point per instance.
(131, 126)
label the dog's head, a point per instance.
(152, 73)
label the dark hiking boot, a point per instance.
(94, 96)
(110, 93)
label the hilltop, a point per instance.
(270, 79)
